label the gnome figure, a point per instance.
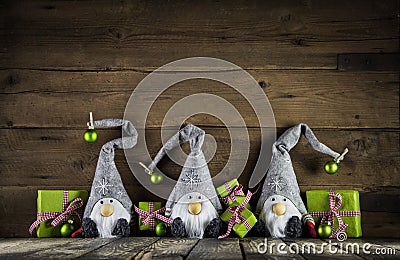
(193, 203)
(107, 213)
(281, 211)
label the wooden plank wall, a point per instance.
(61, 59)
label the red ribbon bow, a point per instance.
(148, 217)
(333, 212)
(68, 210)
(236, 218)
(237, 191)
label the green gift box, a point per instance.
(318, 201)
(224, 192)
(145, 206)
(239, 200)
(240, 229)
(52, 201)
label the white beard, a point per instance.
(195, 224)
(276, 224)
(105, 225)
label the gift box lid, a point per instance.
(318, 200)
(223, 192)
(52, 200)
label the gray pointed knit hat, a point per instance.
(281, 178)
(195, 175)
(107, 182)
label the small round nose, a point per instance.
(107, 210)
(194, 208)
(279, 209)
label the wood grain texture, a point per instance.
(25, 248)
(380, 224)
(346, 100)
(68, 157)
(369, 62)
(212, 248)
(15, 242)
(259, 34)
(73, 249)
(170, 247)
(123, 248)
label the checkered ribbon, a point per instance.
(236, 218)
(237, 191)
(68, 210)
(149, 217)
(333, 212)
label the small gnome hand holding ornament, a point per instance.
(107, 213)
(193, 203)
(282, 211)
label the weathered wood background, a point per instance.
(331, 64)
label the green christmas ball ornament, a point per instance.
(90, 136)
(156, 178)
(324, 230)
(67, 229)
(331, 167)
(161, 229)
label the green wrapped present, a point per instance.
(225, 189)
(55, 207)
(231, 194)
(144, 210)
(324, 205)
(239, 218)
(150, 215)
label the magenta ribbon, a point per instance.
(333, 212)
(236, 218)
(149, 217)
(237, 191)
(68, 210)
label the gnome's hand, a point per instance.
(213, 228)
(122, 228)
(259, 229)
(178, 228)
(89, 228)
(293, 227)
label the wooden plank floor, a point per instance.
(172, 248)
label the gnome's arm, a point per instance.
(178, 228)
(213, 228)
(89, 228)
(122, 228)
(294, 227)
